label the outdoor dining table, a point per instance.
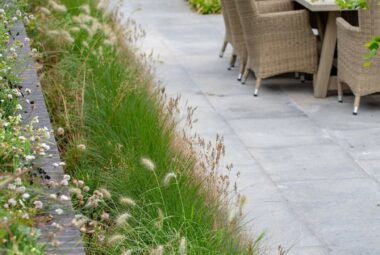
(329, 38)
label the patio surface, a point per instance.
(309, 168)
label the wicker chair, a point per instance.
(351, 40)
(227, 36)
(278, 40)
(237, 36)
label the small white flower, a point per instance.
(62, 163)
(58, 211)
(30, 158)
(45, 146)
(19, 107)
(25, 216)
(64, 183)
(18, 181)
(12, 202)
(38, 204)
(11, 186)
(6, 206)
(21, 190)
(53, 196)
(67, 177)
(25, 196)
(55, 164)
(64, 198)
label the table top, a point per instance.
(319, 5)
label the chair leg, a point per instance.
(356, 105)
(297, 75)
(224, 46)
(245, 76)
(302, 78)
(241, 71)
(258, 84)
(232, 61)
(340, 92)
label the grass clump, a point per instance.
(137, 186)
(206, 6)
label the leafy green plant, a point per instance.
(206, 6)
(352, 4)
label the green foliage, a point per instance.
(206, 6)
(352, 4)
(119, 135)
(17, 235)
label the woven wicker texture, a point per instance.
(236, 29)
(351, 51)
(279, 40)
(228, 36)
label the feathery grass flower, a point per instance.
(115, 239)
(148, 164)
(157, 251)
(121, 220)
(127, 201)
(105, 192)
(168, 178)
(183, 246)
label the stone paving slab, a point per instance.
(310, 170)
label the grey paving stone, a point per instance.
(280, 225)
(279, 132)
(310, 250)
(309, 162)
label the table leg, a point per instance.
(321, 82)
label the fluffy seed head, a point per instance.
(127, 201)
(121, 220)
(168, 178)
(158, 251)
(148, 164)
(115, 239)
(183, 246)
(105, 193)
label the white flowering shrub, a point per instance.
(20, 144)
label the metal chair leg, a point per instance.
(224, 46)
(340, 92)
(241, 71)
(232, 61)
(356, 105)
(258, 84)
